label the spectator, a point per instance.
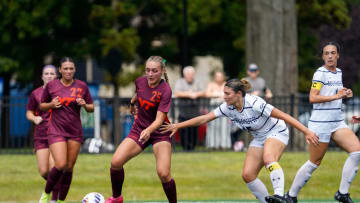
(188, 90)
(257, 83)
(218, 131)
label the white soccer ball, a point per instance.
(93, 197)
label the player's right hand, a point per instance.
(312, 138)
(55, 102)
(133, 109)
(168, 127)
(37, 120)
(342, 93)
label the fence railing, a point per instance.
(111, 122)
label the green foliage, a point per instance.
(198, 176)
(312, 14)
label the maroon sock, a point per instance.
(170, 191)
(65, 183)
(52, 179)
(55, 191)
(117, 180)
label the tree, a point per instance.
(272, 43)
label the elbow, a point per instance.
(311, 100)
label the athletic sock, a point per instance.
(53, 178)
(350, 169)
(276, 177)
(117, 180)
(302, 177)
(55, 191)
(170, 191)
(65, 183)
(258, 188)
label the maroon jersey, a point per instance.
(34, 105)
(150, 101)
(65, 120)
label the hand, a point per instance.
(144, 136)
(341, 94)
(168, 127)
(133, 109)
(349, 93)
(80, 101)
(311, 137)
(56, 103)
(355, 119)
(37, 120)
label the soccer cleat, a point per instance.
(345, 198)
(115, 200)
(290, 199)
(276, 199)
(44, 197)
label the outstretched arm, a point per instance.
(309, 135)
(188, 123)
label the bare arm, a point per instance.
(55, 103)
(315, 96)
(192, 122)
(309, 135)
(145, 134)
(30, 115)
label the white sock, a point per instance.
(350, 169)
(258, 188)
(276, 177)
(301, 178)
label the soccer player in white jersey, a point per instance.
(266, 124)
(327, 121)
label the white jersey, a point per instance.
(254, 117)
(329, 84)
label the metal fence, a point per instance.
(107, 126)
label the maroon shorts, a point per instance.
(40, 144)
(152, 140)
(59, 138)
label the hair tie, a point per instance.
(164, 62)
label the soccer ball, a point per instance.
(93, 197)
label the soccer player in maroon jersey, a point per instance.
(40, 118)
(153, 97)
(64, 97)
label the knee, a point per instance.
(44, 171)
(61, 165)
(248, 176)
(268, 158)
(164, 175)
(116, 164)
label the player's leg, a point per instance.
(127, 149)
(59, 151)
(42, 156)
(347, 140)
(162, 152)
(55, 191)
(317, 153)
(273, 149)
(73, 149)
(252, 166)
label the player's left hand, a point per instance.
(80, 101)
(349, 93)
(311, 138)
(144, 136)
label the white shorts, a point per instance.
(325, 130)
(279, 132)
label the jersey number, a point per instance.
(76, 92)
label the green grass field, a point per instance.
(199, 177)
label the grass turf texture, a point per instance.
(198, 176)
